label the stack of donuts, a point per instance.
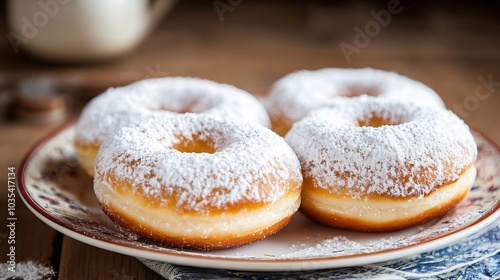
(196, 164)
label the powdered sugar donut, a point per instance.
(297, 94)
(374, 165)
(161, 96)
(195, 181)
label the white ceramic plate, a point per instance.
(57, 192)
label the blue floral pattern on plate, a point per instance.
(478, 257)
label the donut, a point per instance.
(298, 93)
(375, 165)
(196, 181)
(161, 96)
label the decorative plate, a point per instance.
(55, 189)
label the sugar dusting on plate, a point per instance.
(342, 245)
(27, 270)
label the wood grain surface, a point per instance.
(452, 48)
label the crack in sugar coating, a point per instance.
(250, 162)
(429, 148)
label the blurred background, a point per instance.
(58, 54)
(252, 43)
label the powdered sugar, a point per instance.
(430, 147)
(77, 208)
(246, 156)
(27, 270)
(165, 97)
(341, 246)
(300, 92)
(348, 245)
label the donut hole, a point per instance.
(194, 145)
(177, 110)
(374, 120)
(184, 106)
(355, 91)
(183, 110)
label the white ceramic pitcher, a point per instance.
(81, 30)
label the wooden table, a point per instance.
(454, 50)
